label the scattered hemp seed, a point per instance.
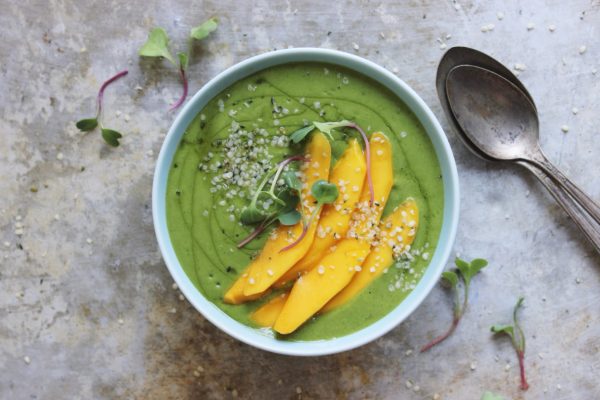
(574, 110)
(27, 360)
(174, 286)
(564, 128)
(487, 28)
(60, 156)
(520, 67)
(530, 26)
(551, 28)
(582, 49)
(500, 16)
(355, 46)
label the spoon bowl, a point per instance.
(493, 113)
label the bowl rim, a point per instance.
(260, 338)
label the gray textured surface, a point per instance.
(100, 319)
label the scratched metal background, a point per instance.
(100, 319)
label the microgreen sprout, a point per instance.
(286, 201)
(326, 127)
(157, 45)
(466, 271)
(491, 396)
(518, 340)
(110, 136)
(324, 193)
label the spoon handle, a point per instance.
(589, 229)
(578, 195)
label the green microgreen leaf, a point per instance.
(517, 339)
(491, 396)
(204, 29)
(111, 136)
(300, 134)
(183, 60)
(477, 265)
(324, 192)
(290, 218)
(251, 215)
(327, 127)
(292, 181)
(157, 45)
(506, 329)
(451, 278)
(469, 270)
(290, 200)
(87, 125)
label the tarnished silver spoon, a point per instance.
(499, 119)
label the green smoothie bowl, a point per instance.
(305, 201)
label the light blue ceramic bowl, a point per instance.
(451, 204)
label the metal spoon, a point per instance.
(460, 55)
(499, 119)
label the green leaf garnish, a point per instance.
(300, 134)
(87, 125)
(157, 45)
(466, 271)
(204, 29)
(284, 202)
(491, 396)
(111, 136)
(183, 60)
(517, 338)
(251, 215)
(292, 181)
(451, 278)
(289, 218)
(327, 127)
(324, 192)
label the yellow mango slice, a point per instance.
(267, 314)
(272, 263)
(396, 236)
(336, 269)
(235, 294)
(349, 175)
(314, 289)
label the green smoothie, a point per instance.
(243, 132)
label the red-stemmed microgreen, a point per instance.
(110, 136)
(326, 127)
(324, 193)
(517, 339)
(285, 201)
(157, 45)
(466, 271)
